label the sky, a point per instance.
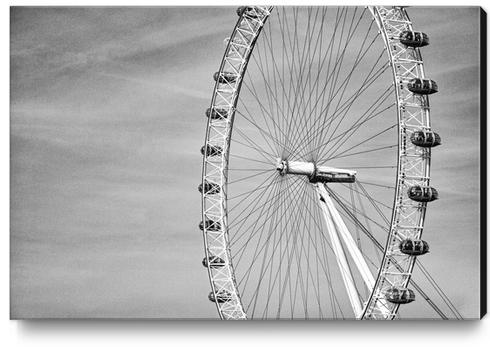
(107, 119)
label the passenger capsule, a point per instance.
(211, 151)
(213, 262)
(425, 138)
(414, 247)
(209, 188)
(217, 113)
(225, 77)
(220, 297)
(423, 193)
(247, 10)
(399, 295)
(422, 86)
(414, 38)
(211, 225)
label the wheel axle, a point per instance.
(316, 174)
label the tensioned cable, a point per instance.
(378, 245)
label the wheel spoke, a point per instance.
(310, 160)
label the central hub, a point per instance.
(315, 174)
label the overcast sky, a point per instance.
(107, 119)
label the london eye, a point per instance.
(316, 165)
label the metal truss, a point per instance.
(408, 216)
(225, 97)
(413, 165)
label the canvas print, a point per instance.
(259, 162)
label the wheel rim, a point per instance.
(225, 166)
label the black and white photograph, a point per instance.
(254, 162)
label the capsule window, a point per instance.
(415, 191)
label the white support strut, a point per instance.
(340, 255)
(352, 247)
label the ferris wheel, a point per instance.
(316, 164)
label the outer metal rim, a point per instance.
(413, 162)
